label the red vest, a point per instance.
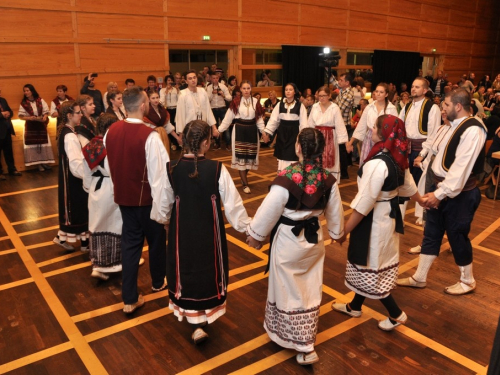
(126, 151)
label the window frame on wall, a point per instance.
(251, 69)
(219, 52)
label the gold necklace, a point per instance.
(246, 104)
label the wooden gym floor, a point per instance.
(56, 319)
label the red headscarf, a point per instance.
(393, 138)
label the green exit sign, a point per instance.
(206, 37)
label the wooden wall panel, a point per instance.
(427, 45)
(121, 57)
(402, 26)
(375, 7)
(442, 3)
(367, 40)
(434, 14)
(464, 18)
(97, 26)
(56, 25)
(339, 4)
(194, 29)
(481, 64)
(457, 63)
(402, 43)
(433, 30)
(460, 33)
(252, 32)
(41, 4)
(35, 58)
(405, 9)
(323, 37)
(484, 36)
(323, 17)
(222, 9)
(372, 23)
(274, 11)
(145, 7)
(484, 49)
(458, 48)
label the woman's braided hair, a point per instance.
(193, 135)
(312, 143)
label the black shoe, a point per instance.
(15, 173)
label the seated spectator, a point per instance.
(496, 84)
(479, 94)
(404, 99)
(486, 82)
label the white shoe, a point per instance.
(386, 324)
(66, 246)
(411, 282)
(141, 262)
(246, 190)
(199, 335)
(342, 307)
(307, 358)
(419, 221)
(415, 250)
(84, 249)
(460, 288)
(112, 269)
(163, 287)
(99, 275)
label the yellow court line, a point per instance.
(24, 234)
(60, 259)
(150, 297)
(38, 245)
(85, 352)
(4, 238)
(284, 355)
(115, 307)
(66, 269)
(16, 283)
(35, 357)
(28, 191)
(5, 252)
(485, 233)
(33, 220)
(244, 246)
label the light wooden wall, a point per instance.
(49, 42)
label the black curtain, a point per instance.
(395, 67)
(301, 66)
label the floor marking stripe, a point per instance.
(16, 283)
(35, 219)
(28, 191)
(23, 234)
(67, 269)
(87, 355)
(5, 252)
(35, 357)
(60, 259)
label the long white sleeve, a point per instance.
(234, 210)
(73, 151)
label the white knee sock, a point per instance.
(424, 265)
(466, 274)
(402, 207)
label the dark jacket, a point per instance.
(6, 123)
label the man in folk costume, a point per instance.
(422, 118)
(451, 206)
(193, 104)
(137, 162)
(6, 133)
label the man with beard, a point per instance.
(137, 160)
(454, 196)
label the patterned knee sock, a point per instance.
(424, 265)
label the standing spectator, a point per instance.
(73, 200)
(345, 101)
(112, 87)
(325, 116)
(438, 84)
(58, 100)
(265, 79)
(466, 84)
(429, 78)
(89, 89)
(193, 104)
(496, 84)
(168, 98)
(151, 80)
(485, 82)
(232, 82)
(247, 115)
(129, 83)
(287, 120)
(6, 133)
(35, 111)
(404, 100)
(218, 95)
(137, 163)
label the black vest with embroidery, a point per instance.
(423, 117)
(452, 145)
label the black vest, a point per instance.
(423, 118)
(451, 148)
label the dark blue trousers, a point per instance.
(416, 172)
(453, 216)
(138, 225)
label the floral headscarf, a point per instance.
(310, 180)
(393, 138)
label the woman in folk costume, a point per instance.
(326, 117)
(86, 130)
(287, 120)
(366, 125)
(373, 254)
(37, 147)
(105, 218)
(197, 259)
(297, 197)
(248, 117)
(158, 117)
(61, 97)
(73, 200)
